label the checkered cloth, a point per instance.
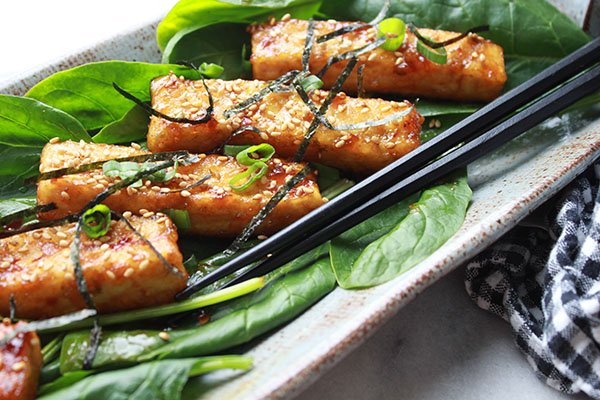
(545, 281)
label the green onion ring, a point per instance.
(259, 153)
(96, 221)
(394, 30)
(244, 180)
(438, 56)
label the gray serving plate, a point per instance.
(508, 185)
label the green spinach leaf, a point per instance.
(87, 93)
(162, 380)
(132, 127)
(430, 222)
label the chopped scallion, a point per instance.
(96, 221)
(438, 56)
(232, 150)
(181, 218)
(311, 82)
(259, 153)
(394, 30)
(244, 180)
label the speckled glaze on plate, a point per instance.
(508, 185)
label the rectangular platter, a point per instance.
(508, 185)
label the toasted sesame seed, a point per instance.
(99, 186)
(54, 140)
(372, 56)
(105, 239)
(155, 188)
(5, 264)
(185, 193)
(61, 235)
(389, 145)
(257, 196)
(65, 195)
(340, 144)
(46, 236)
(63, 243)
(128, 272)
(148, 214)
(127, 214)
(263, 136)
(275, 133)
(136, 146)
(18, 366)
(438, 123)
(143, 211)
(474, 54)
(365, 110)
(325, 199)
(261, 237)
(105, 246)
(144, 264)
(164, 336)
(308, 190)
(110, 274)
(286, 17)
(399, 60)
(165, 190)
(482, 57)
(431, 123)
(222, 158)
(219, 190)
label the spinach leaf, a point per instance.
(154, 380)
(87, 93)
(430, 222)
(215, 31)
(346, 248)
(132, 127)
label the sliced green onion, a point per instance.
(210, 70)
(164, 175)
(259, 153)
(181, 219)
(394, 30)
(96, 221)
(311, 82)
(244, 180)
(232, 150)
(127, 169)
(438, 56)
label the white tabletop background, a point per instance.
(441, 346)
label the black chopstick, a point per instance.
(564, 97)
(485, 118)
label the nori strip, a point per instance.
(238, 131)
(90, 354)
(207, 116)
(266, 210)
(350, 54)
(354, 27)
(437, 45)
(76, 260)
(271, 87)
(359, 80)
(12, 305)
(195, 184)
(312, 106)
(308, 44)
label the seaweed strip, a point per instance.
(323, 109)
(151, 111)
(282, 80)
(437, 45)
(57, 173)
(355, 27)
(76, 260)
(359, 81)
(308, 44)
(12, 304)
(195, 184)
(238, 131)
(27, 213)
(368, 124)
(350, 54)
(90, 354)
(265, 211)
(49, 323)
(37, 225)
(162, 259)
(311, 105)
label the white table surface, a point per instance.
(441, 346)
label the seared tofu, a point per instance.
(20, 364)
(283, 119)
(474, 70)
(121, 271)
(214, 208)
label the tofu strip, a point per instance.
(474, 70)
(121, 271)
(282, 119)
(213, 207)
(20, 364)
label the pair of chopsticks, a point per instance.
(493, 125)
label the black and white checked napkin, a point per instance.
(544, 279)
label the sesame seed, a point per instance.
(201, 155)
(308, 190)
(143, 211)
(474, 54)
(5, 264)
(261, 237)
(136, 146)
(364, 110)
(264, 136)
(275, 133)
(127, 214)
(164, 336)
(144, 264)
(257, 196)
(372, 56)
(105, 239)
(63, 243)
(482, 57)
(128, 272)
(286, 17)
(165, 190)
(46, 236)
(325, 199)
(65, 195)
(389, 145)
(148, 214)
(54, 140)
(399, 60)
(340, 144)
(185, 193)
(99, 186)
(431, 123)
(155, 188)
(222, 158)
(219, 190)
(105, 246)
(438, 123)
(18, 366)
(37, 235)
(110, 274)
(61, 235)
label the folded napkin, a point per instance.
(543, 277)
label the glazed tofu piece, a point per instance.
(20, 364)
(283, 119)
(121, 271)
(474, 70)
(214, 208)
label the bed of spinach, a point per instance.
(77, 103)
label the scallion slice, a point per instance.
(96, 221)
(259, 153)
(311, 82)
(438, 56)
(232, 150)
(244, 180)
(181, 219)
(394, 30)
